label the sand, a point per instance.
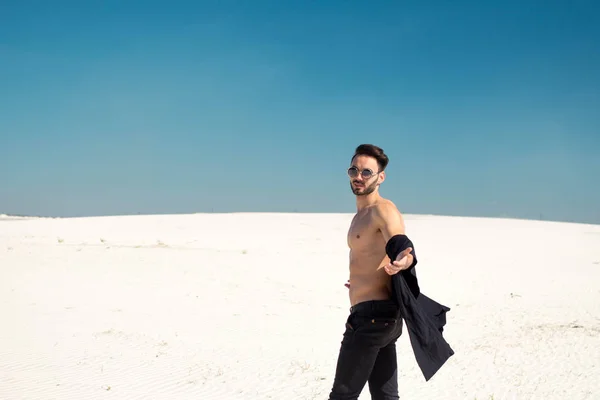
(252, 306)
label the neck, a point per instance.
(363, 202)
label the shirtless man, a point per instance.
(368, 352)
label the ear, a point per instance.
(381, 177)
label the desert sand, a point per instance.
(252, 306)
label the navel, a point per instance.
(358, 236)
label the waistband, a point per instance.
(370, 306)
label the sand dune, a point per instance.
(252, 306)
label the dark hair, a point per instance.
(372, 151)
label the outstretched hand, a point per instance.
(403, 261)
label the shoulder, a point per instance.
(386, 209)
(386, 212)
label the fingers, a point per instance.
(402, 264)
(392, 269)
(397, 266)
(404, 253)
(404, 259)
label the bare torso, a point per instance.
(367, 255)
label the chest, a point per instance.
(362, 232)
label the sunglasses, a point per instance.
(365, 173)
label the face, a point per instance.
(364, 175)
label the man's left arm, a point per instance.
(398, 247)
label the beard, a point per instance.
(363, 190)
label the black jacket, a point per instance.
(425, 318)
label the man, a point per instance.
(379, 249)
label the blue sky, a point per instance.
(484, 108)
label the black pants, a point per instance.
(368, 352)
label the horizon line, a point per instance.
(140, 214)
